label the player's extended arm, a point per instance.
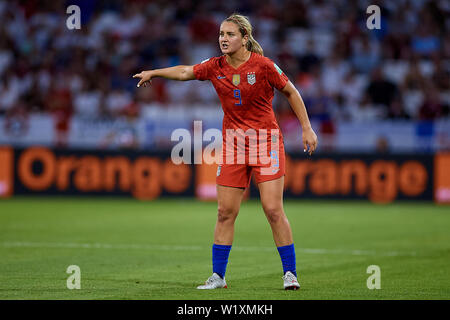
(180, 73)
(309, 137)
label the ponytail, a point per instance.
(254, 46)
(245, 28)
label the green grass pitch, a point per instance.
(161, 250)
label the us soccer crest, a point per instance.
(236, 79)
(251, 78)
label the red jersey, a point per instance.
(246, 93)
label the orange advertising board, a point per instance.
(147, 176)
(442, 178)
(6, 172)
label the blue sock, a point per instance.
(287, 254)
(220, 255)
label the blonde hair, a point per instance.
(245, 28)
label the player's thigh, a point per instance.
(229, 200)
(271, 195)
(234, 175)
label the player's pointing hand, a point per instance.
(145, 76)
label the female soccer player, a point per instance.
(244, 80)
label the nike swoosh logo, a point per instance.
(221, 77)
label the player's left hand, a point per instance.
(309, 139)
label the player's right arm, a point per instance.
(180, 73)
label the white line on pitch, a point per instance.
(10, 244)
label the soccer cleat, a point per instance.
(214, 282)
(290, 281)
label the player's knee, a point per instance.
(225, 214)
(274, 214)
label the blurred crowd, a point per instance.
(344, 71)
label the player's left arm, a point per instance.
(309, 137)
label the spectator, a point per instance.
(380, 90)
(9, 92)
(87, 103)
(116, 102)
(365, 54)
(431, 107)
(59, 103)
(382, 145)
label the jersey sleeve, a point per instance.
(204, 70)
(276, 76)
